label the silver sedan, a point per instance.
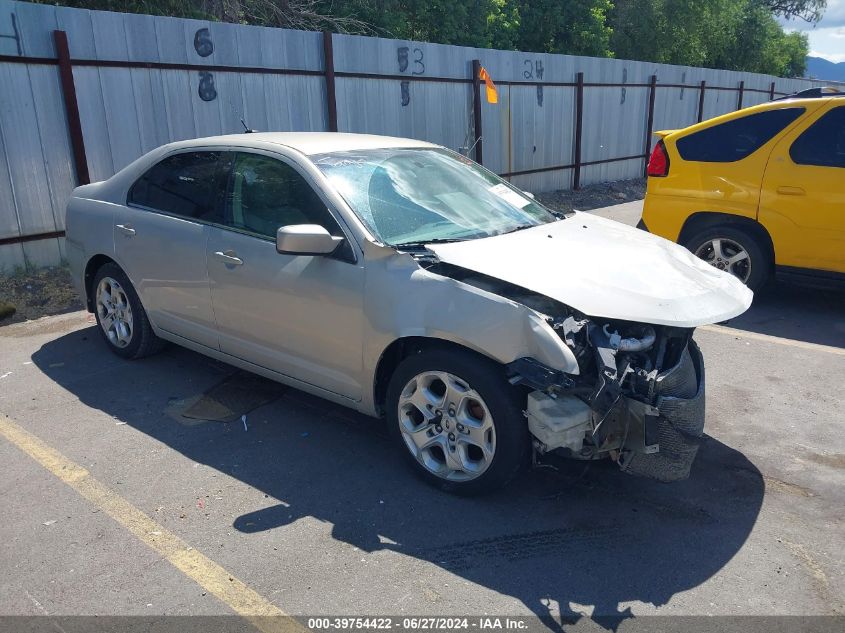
(406, 281)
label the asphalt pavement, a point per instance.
(115, 504)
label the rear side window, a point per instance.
(183, 184)
(823, 143)
(736, 139)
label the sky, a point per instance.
(827, 38)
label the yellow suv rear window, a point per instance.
(736, 139)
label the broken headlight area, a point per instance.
(639, 398)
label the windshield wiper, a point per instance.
(423, 243)
(521, 227)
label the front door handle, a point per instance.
(127, 230)
(791, 191)
(229, 257)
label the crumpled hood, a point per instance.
(603, 268)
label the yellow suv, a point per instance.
(757, 191)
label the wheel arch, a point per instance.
(405, 346)
(703, 220)
(91, 267)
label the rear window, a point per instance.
(823, 143)
(736, 139)
(184, 184)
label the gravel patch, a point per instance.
(33, 294)
(595, 196)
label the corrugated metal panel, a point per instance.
(92, 114)
(126, 112)
(55, 143)
(24, 151)
(35, 26)
(435, 112)
(42, 253)
(9, 224)
(294, 104)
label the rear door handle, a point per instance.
(127, 230)
(791, 191)
(229, 257)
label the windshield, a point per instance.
(418, 195)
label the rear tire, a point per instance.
(734, 250)
(121, 318)
(458, 420)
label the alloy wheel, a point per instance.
(728, 255)
(447, 426)
(114, 312)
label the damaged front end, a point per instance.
(639, 397)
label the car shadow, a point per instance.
(569, 541)
(802, 313)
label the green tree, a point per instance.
(504, 25)
(684, 32)
(795, 49)
(760, 45)
(464, 22)
(578, 27)
(729, 34)
(809, 10)
(574, 27)
(294, 14)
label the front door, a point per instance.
(803, 200)
(160, 240)
(298, 315)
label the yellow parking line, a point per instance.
(767, 338)
(244, 601)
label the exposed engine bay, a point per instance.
(638, 397)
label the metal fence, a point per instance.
(83, 93)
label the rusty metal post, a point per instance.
(772, 92)
(579, 128)
(652, 90)
(328, 65)
(741, 93)
(701, 101)
(476, 109)
(71, 108)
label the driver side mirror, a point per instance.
(306, 239)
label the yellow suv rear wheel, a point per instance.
(735, 251)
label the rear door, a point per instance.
(160, 241)
(803, 199)
(299, 315)
(724, 163)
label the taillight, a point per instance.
(658, 164)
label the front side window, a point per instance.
(823, 143)
(184, 184)
(265, 194)
(418, 195)
(736, 139)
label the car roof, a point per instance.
(790, 101)
(819, 92)
(308, 143)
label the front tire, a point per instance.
(735, 251)
(121, 318)
(457, 420)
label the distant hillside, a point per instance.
(819, 68)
